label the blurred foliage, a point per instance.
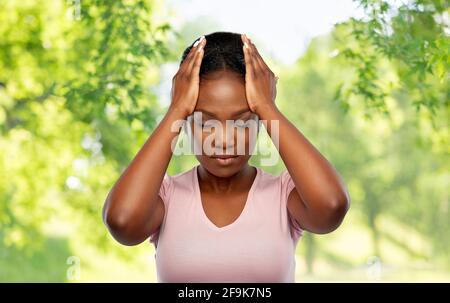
(115, 40)
(77, 101)
(414, 37)
(391, 174)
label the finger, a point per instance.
(262, 66)
(260, 59)
(195, 71)
(190, 56)
(251, 58)
(248, 62)
(198, 51)
(256, 65)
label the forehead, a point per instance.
(222, 93)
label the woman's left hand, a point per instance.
(260, 81)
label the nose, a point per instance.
(224, 140)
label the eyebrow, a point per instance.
(235, 114)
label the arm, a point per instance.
(320, 200)
(133, 210)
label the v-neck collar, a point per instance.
(199, 202)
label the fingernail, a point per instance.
(200, 48)
(198, 41)
(245, 44)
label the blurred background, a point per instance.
(84, 82)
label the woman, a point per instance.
(224, 220)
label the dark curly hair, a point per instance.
(223, 51)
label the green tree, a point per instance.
(74, 91)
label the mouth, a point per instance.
(224, 156)
(225, 159)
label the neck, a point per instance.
(240, 181)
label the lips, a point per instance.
(224, 156)
(225, 159)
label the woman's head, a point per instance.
(222, 97)
(223, 51)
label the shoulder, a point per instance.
(183, 181)
(268, 178)
(282, 183)
(186, 177)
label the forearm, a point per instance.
(316, 181)
(134, 195)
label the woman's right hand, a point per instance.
(185, 83)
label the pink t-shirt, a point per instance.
(259, 246)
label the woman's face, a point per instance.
(221, 98)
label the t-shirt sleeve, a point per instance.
(165, 189)
(164, 192)
(287, 185)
